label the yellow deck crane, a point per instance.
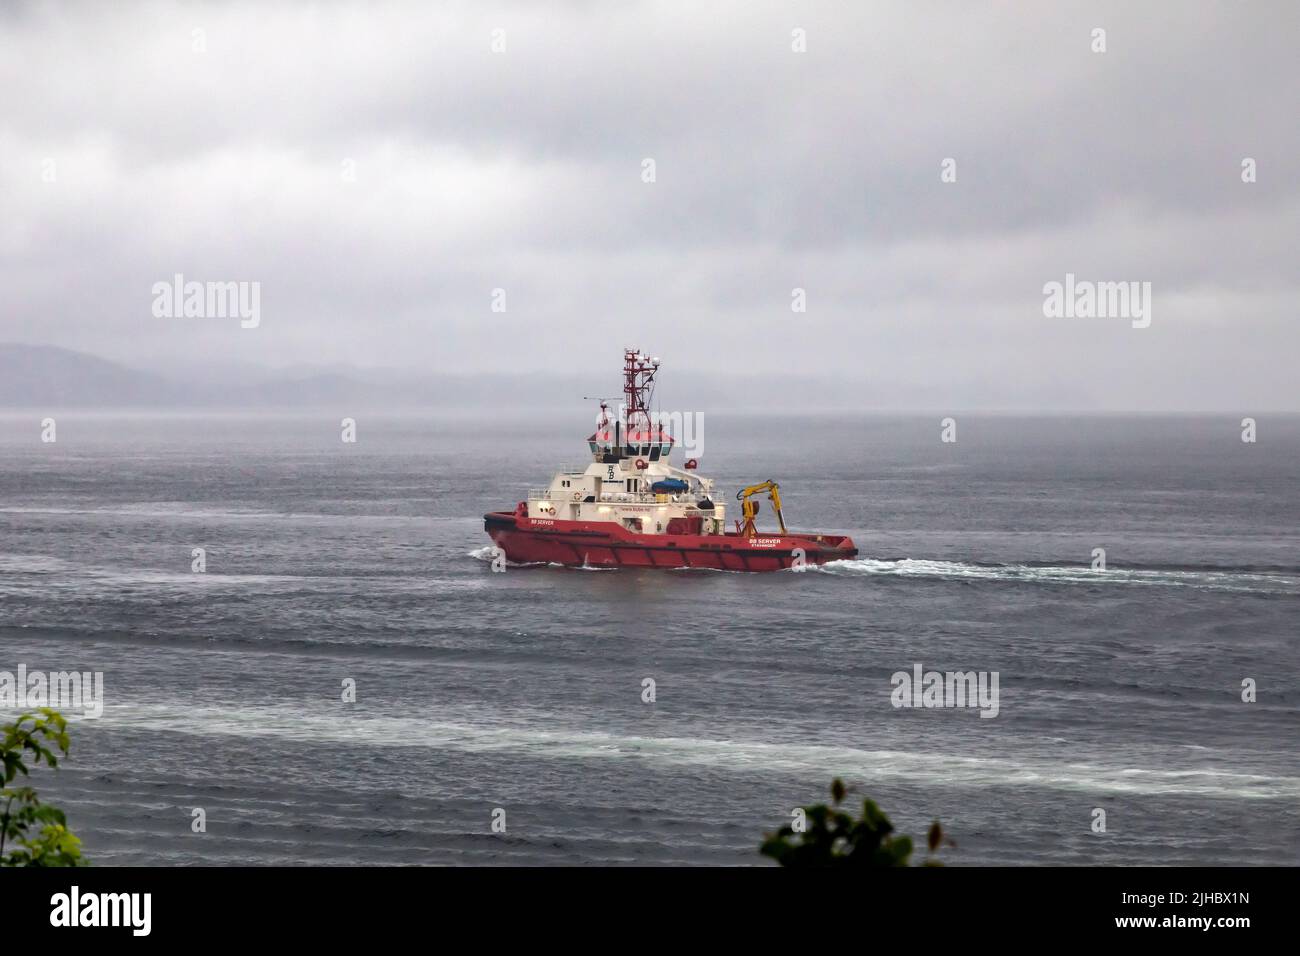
(750, 508)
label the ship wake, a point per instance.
(488, 555)
(1204, 579)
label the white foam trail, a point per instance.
(57, 575)
(32, 564)
(579, 567)
(384, 729)
(1064, 574)
(154, 509)
(488, 553)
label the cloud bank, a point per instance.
(381, 169)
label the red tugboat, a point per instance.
(631, 508)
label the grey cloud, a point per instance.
(521, 170)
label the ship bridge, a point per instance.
(610, 445)
(630, 479)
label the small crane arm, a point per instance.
(750, 508)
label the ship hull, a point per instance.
(606, 544)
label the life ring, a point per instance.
(692, 464)
(641, 464)
(577, 496)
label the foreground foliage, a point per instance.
(34, 833)
(828, 836)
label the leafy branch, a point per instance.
(829, 836)
(36, 833)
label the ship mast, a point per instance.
(638, 388)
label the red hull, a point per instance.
(606, 544)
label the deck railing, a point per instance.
(565, 495)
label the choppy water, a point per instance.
(1118, 689)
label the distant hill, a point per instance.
(42, 376)
(45, 377)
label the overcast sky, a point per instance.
(379, 169)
